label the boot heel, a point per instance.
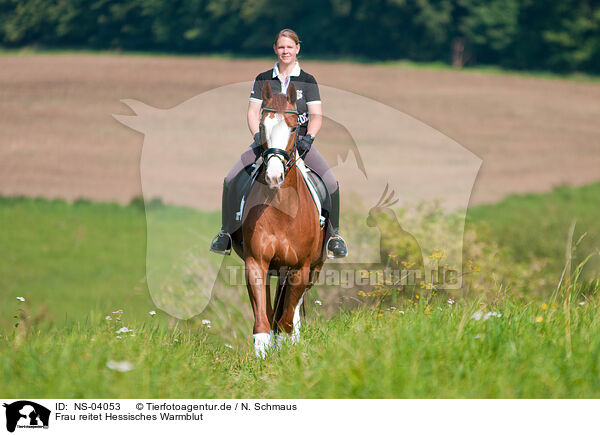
(330, 254)
(216, 250)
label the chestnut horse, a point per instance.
(281, 233)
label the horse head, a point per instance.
(278, 124)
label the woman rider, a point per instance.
(286, 70)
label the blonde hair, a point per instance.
(287, 33)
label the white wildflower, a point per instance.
(491, 314)
(152, 313)
(108, 318)
(318, 302)
(120, 366)
(451, 301)
(21, 298)
(477, 315)
(229, 346)
(123, 330)
(582, 303)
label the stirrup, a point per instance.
(336, 237)
(227, 251)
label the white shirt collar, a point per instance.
(295, 70)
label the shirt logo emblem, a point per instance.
(303, 118)
(298, 94)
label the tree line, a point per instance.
(560, 35)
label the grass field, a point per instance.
(443, 350)
(77, 263)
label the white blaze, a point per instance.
(278, 134)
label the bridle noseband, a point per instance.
(288, 159)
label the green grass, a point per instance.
(77, 263)
(537, 225)
(434, 352)
(74, 258)
(70, 259)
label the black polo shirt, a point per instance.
(306, 88)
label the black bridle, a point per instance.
(286, 158)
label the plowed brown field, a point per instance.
(58, 139)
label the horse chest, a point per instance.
(284, 252)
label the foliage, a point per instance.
(526, 34)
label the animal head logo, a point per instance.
(189, 148)
(26, 414)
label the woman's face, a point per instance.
(286, 50)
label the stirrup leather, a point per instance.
(227, 251)
(336, 237)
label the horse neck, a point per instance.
(283, 198)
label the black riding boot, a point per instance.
(221, 243)
(336, 246)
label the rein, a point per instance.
(285, 157)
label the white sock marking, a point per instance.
(262, 343)
(296, 322)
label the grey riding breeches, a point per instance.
(313, 159)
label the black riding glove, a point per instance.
(257, 146)
(304, 144)
(258, 140)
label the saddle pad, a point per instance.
(309, 183)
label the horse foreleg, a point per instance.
(279, 300)
(297, 282)
(269, 304)
(256, 276)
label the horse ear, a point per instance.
(267, 92)
(291, 94)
